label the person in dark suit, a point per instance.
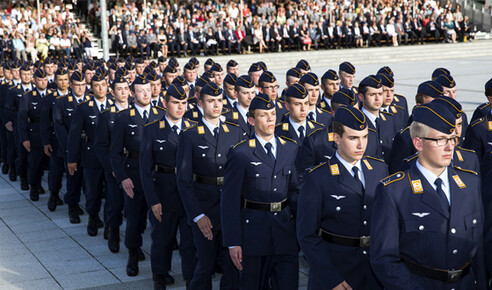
(220, 37)
(63, 112)
(158, 173)
(311, 83)
(203, 152)
(81, 149)
(193, 41)
(102, 144)
(231, 40)
(333, 226)
(259, 201)
(124, 156)
(434, 203)
(245, 92)
(28, 121)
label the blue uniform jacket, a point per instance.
(199, 153)
(251, 175)
(462, 158)
(102, 141)
(411, 220)
(285, 129)
(331, 199)
(29, 117)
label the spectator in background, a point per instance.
(31, 47)
(42, 46)
(66, 45)
(19, 47)
(162, 40)
(87, 42)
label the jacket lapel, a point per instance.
(260, 152)
(345, 178)
(429, 195)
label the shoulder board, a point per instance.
(19, 87)
(191, 121)
(407, 128)
(465, 170)
(399, 107)
(283, 137)
(315, 167)
(239, 143)
(400, 96)
(465, 149)
(314, 131)
(484, 105)
(124, 110)
(55, 94)
(192, 126)
(83, 102)
(60, 97)
(408, 159)
(392, 178)
(386, 113)
(323, 110)
(230, 123)
(476, 122)
(370, 129)
(113, 109)
(317, 123)
(159, 107)
(374, 158)
(151, 123)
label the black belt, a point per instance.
(167, 170)
(131, 155)
(208, 180)
(437, 274)
(266, 206)
(362, 242)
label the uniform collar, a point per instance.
(210, 126)
(179, 123)
(349, 167)
(431, 178)
(141, 110)
(297, 125)
(272, 141)
(370, 116)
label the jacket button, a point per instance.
(275, 189)
(338, 208)
(365, 223)
(421, 227)
(453, 231)
(455, 252)
(257, 175)
(220, 167)
(219, 155)
(474, 221)
(247, 221)
(203, 155)
(365, 206)
(275, 176)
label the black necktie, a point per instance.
(378, 124)
(355, 169)
(439, 190)
(102, 107)
(175, 129)
(42, 95)
(301, 132)
(27, 90)
(216, 134)
(192, 89)
(154, 103)
(145, 116)
(311, 116)
(269, 147)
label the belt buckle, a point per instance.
(275, 206)
(454, 275)
(220, 180)
(364, 241)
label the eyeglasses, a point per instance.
(443, 141)
(272, 87)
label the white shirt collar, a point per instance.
(328, 101)
(26, 87)
(199, 109)
(349, 167)
(179, 123)
(43, 92)
(60, 93)
(231, 101)
(120, 108)
(370, 116)
(296, 126)
(98, 104)
(141, 110)
(431, 178)
(272, 141)
(210, 127)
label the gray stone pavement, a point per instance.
(40, 249)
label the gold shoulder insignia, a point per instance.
(311, 126)
(316, 167)
(314, 132)
(476, 122)
(235, 115)
(334, 169)
(392, 178)
(18, 87)
(465, 170)
(285, 126)
(465, 149)
(132, 112)
(113, 109)
(322, 105)
(201, 130)
(91, 104)
(226, 129)
(34, 93)
(374, 158)
(195, 114)
(282, 141)
(230, 123)
(458, 181)
(242, 141)
(252, 143)
(110, 102)
(458, 153)
(187, 124)
(368, 165)
(154, 110)
(283, 137)
(162, 124)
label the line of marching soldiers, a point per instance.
(374, 196)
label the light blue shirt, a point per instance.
(349, 167)
(272, 141)
(297, 125)
(431, 178)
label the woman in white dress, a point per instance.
(390, 28)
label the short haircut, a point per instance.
(419, 98)
(337, 128)
(363, 90)
(488, 92)
(418, 129)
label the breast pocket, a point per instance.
(472, 224)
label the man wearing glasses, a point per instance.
(427, 222)
(268, 85)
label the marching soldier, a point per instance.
(333, 227)
(311, 83)
(202, 154)
(449, 90)
(230, 99)
(399, 113)
(427, 222)
(346, 71)
(268, 85)
(245, 92)
(124, 155)
(258, 203)
(158, 173)
(8, 160)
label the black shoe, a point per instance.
(34, 193)
(73, 214)
(132, 266)
(92, 226)
(159, 282)
(141, 255)
(52, 203)
(41, 189)
(99, 223)
(105, 233)
(78, 210)
(24, 184)
(5, 168)
(12, 174)
(169, 279)
(58, 200)
(114, 239)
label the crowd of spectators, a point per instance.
(181, 28)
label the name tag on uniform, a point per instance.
(330, 137)
(334, 169)
(417, 187)
(458, 181)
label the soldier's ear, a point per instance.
(418, 143)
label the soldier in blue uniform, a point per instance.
(81, 150)
(319, 146)
(49, 139)
(8, 119)
(311, 83)
(218, 74)
(295, 125)
(158, 172)
(28, 123)
(303, 66)
(399, 113)
(232, 67)
(292, 76)
(245, 92)
(195, 112)
(255, 72)
(333, 226)
(346, 71)
(427, 222)
(170, 72)
(230, 99)
(439, 71)
(189, 73)
(63, 111)
(6, 82)
(102, 143)
(449, 90)
(398, 100)
(124, 155)
(484, 109)
(156, 88)
(330, 84)
(202, 154)
(426, 92)
(268, 85)
(259, 202)
(14, 96)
